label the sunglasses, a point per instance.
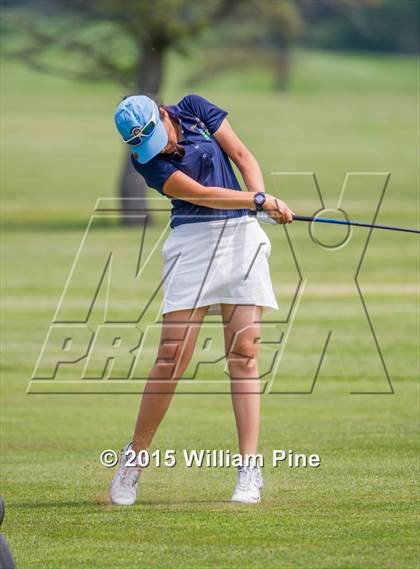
(139, 133)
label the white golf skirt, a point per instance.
(213, 262)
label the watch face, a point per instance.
(259, 199)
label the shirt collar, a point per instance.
(173, 112)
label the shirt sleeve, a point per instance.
(211, 115)
(155, 172)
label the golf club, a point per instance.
(265, 218)
(311, 219)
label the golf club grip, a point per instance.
(353, 223)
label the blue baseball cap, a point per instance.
(132, 115)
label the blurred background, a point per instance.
(295, 76)
(325, 87)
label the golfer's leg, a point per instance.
(242, 333)
(178, 338)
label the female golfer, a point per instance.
(216, 255)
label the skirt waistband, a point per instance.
(197, 225)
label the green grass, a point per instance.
(358, 510)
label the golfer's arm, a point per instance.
(241, 156)
(182, 187)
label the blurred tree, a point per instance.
(364, 25)
(263, 35)
(125, 41)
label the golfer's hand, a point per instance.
(277, 209)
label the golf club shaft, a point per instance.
(354, 223)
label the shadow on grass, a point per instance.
(35, 505)
(180, 502)
(95, 504)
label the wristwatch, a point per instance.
(259, 199)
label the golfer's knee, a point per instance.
(243, 356)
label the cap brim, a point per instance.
(151, 145)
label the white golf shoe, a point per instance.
(249, 485)
(123, 491)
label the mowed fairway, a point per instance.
(358, 509)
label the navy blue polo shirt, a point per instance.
(204, 160)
